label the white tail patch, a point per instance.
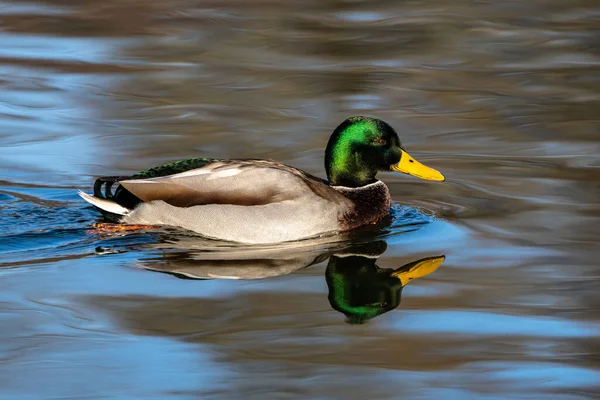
(104, 204)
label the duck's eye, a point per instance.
(381, 142)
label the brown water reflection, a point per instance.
(503, 97)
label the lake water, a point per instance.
(502, 97)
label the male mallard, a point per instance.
(260, 201)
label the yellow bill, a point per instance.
(418, 269)
(408, 165)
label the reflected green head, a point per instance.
(359, 289)
(358, 148)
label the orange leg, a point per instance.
(103, 227)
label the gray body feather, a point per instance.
(254, 201)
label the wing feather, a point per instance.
(239, 182)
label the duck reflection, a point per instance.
(361, 290)
(207, 259)
(358, 287)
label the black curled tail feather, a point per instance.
(107, 182)
(103, 189)
(103, 186)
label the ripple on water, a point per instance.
(502, 97)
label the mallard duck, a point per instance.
(262, 201)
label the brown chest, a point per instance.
(371, 203)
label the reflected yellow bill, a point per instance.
(418, 269)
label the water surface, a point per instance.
(502, 97)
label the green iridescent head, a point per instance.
(362, 146)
